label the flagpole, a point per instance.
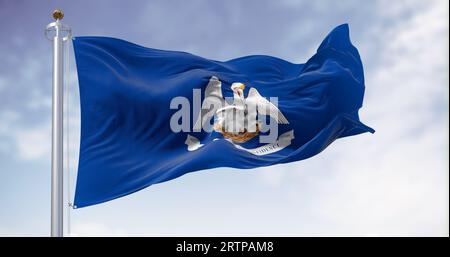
(58, 33)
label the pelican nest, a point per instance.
(240, 137)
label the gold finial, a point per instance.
(58, 14)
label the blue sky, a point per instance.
(392, 183)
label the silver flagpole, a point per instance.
(58, 33)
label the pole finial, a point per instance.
(58, 14)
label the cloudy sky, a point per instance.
(392, 183)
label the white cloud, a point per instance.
(33, 143)
(38, 99)
(94, 229)
(21, 142)
(394, 182)
(6, 119)
(2, 83)
(271, 177)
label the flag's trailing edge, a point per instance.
(126, 91)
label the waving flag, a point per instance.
(148, 116)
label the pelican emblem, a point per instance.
(237, 120)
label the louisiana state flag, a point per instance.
(148, 115)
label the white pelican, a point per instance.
(237, 120)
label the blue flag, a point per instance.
(148, 116)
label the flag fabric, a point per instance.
(131, 98)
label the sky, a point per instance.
(392, 183)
